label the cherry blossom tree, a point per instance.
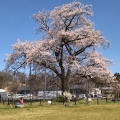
(68, 45)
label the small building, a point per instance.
(94, 91)
(24, 89)
(77, 90)
(106, 90)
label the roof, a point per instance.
(2, 90)
(107, 88)
(24, 88)
(77, 87)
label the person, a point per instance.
(20, 103)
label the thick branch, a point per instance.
(49, 67)
(82, 49)
(61, 61)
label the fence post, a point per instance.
(8, 101)
(3, 101)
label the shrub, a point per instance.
(61, 98)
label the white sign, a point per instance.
(49, 101)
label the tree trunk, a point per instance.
(63, 84)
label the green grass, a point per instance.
(81, 111)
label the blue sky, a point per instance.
(16, 22)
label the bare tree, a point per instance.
(14, 86)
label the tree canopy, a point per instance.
(68, 44)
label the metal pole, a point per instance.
(44, 86)
(25, 81)
(30, 78)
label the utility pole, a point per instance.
(30, 79)
(44, 86)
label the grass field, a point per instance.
(103, 111)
